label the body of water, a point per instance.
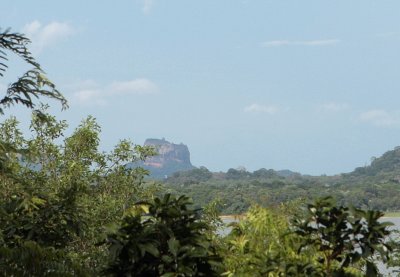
(394, 220)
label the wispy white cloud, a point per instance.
(333, 107)
(89, 92)
(90, 96)
(381, 118)
(45, 35)
(321, 42)
(147, 6)
(257, 108)
(137, 86)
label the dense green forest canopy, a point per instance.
(376, 186)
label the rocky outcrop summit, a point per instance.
(171, 158)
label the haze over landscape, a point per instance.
(276, 84)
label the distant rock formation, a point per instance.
(171, 158)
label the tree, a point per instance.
(345, 238)
(262, 245)
(23, 257)
(57, 198)
(192, 176)
(33, 83)
(162, 237)
(325, 240)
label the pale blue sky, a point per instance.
(311, 86)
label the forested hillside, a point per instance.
(376, 186)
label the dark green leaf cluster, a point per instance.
(163, 237)
(344, 236)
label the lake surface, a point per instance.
(394, 220)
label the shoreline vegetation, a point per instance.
(391, 214)
(235, 216)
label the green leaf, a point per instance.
(151, 248)
(173, 246)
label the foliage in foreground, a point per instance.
(263, 245)
(324, 240)
(60, 201)
(344, 237)
(162, 237)
(61, 196)
(33, 83)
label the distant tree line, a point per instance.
(376, 186)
